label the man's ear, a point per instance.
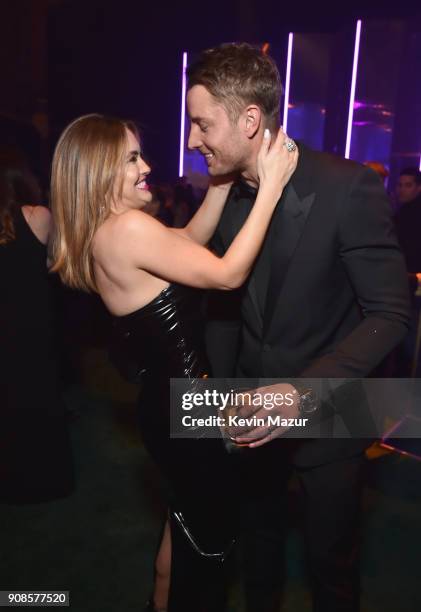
(252, 117)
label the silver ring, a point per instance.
(290, 145)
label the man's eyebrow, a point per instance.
(199, 120)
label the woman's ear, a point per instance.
(252, 120)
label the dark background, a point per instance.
(60, 59)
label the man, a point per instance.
(408, 217)
(409, 185)
(408, 229)
(326, 298)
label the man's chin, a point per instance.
(212, 171)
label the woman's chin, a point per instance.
(143, 198)
(146, 196)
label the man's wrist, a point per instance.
(308, 401)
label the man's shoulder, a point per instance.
(330, 163)
(327, 173)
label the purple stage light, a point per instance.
(353, 86)
(287, 80)
(358, 104)
(183, 115)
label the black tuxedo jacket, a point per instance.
(328, 295)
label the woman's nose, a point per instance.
(143, 166)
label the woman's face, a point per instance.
(135, 191)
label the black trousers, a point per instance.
(331, 513)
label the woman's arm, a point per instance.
(156, 249)
(203, 224)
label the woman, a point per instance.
(144, 273)
(35, 457)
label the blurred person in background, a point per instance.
(35, 456)
(183, 194)
(408, 218)
(408, 188)
(379, 168)
(408, 228)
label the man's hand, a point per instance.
(271, 404)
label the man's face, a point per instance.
(223, 144)
(407, 189)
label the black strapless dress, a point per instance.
(164, 339)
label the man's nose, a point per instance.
(194, 140)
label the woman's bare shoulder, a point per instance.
(36, 212)
(136, 221)
(39, 220)
(119, 232)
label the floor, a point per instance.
(99, 543)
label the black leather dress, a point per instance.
(164, 339)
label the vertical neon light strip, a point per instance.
(420, 165)
(353, 86)
(287, 80)
(183, 115)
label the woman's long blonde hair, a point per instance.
(87, 162)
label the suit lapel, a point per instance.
(267, 279)
(238, 214)
(288, 229)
